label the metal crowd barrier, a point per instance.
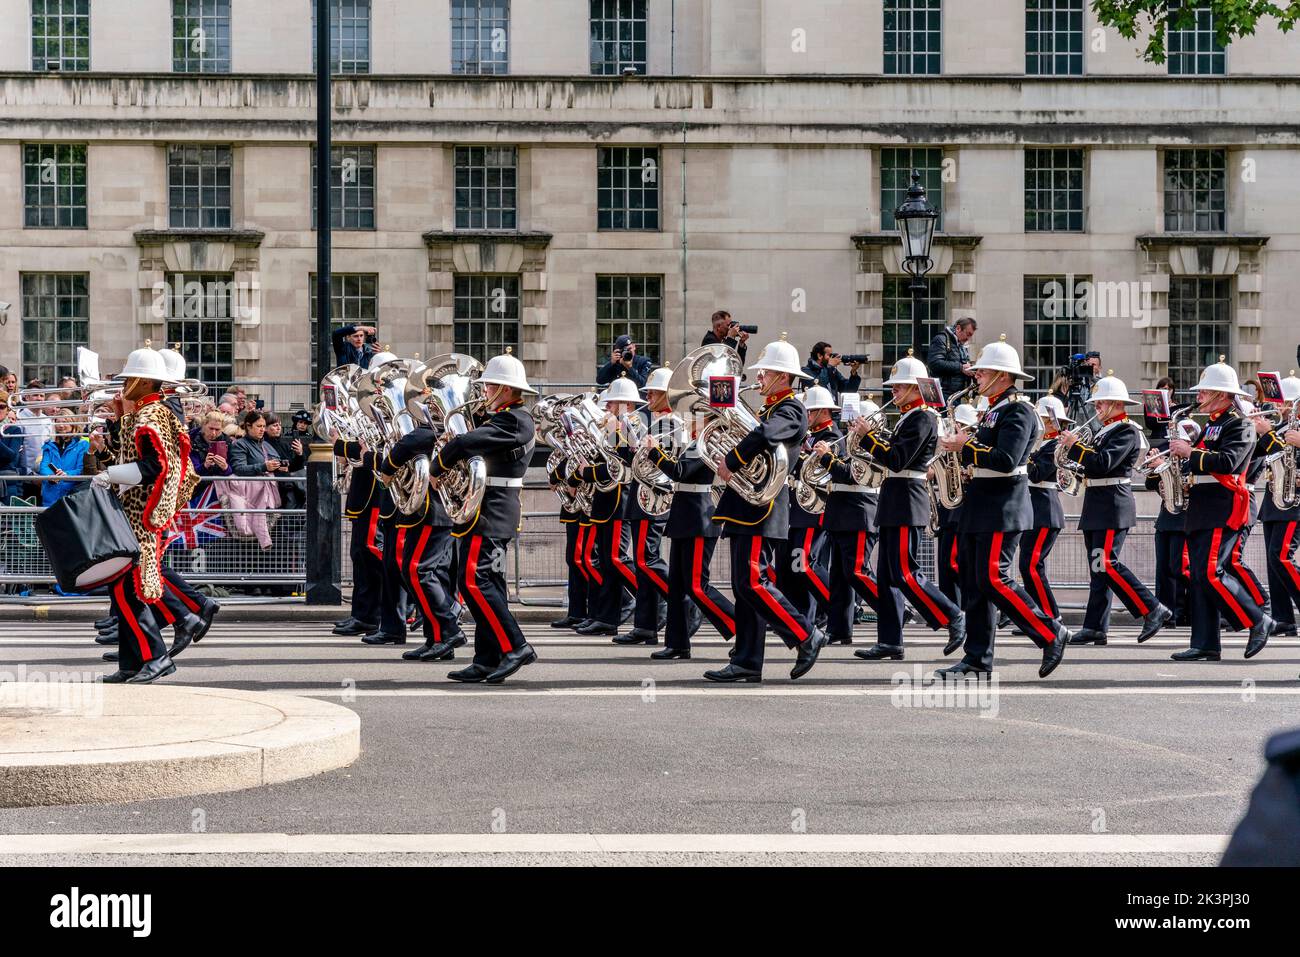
(212, 545)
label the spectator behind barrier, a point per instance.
(253, 456)
(64, 454)
(291, 452)
(11, 450)
(209, 449)
(36, 427)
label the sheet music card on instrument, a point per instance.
(850, 407)
(722, 391)
(931, 392)
(1155, 404)
(1270, 387)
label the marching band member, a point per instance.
(646, 530)
(609, 537)
(995, 510)
(153, 459)
(575, 531)
(1280, 523)
(902, 513)
(1045, 497)
(754, 530)
(504, 437)
(692, 537)
(946, 551)
(804, 558)
(1237, 565)
(1217, 508)
(1109, 511)
(1170, 542)
(850, 524)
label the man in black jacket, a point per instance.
(995, 510)
(1109, 511)
(824, 368)
(1217, 508)
(1045, 496)
(624, 362)
(903, 513)
(726, 331)
(948, 359)
(350, 345)
(753, 530)
(803, 573)
(504, 438)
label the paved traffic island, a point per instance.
(67, 742)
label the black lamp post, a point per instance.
(916, 219)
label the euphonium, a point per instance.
(381, 395)
(585, 435)
(443, 395)
(813, 485)
(948, 476)
(865, 469)
(550, 431)
(764, 477)
(1069, 475)
(654, 489)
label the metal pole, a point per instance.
(918, 287)
(324, 530)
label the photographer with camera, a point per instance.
(824, 368)
(1083, 370)
(728, 332)
(623, 361)
(353, 344)
(948, 360)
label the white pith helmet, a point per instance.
(1291, 388)
(1001, 356)
(779, 356)
(658, 381)
(379, 358)
(1051, 405)
(1110, 388)
(620, 390)
(174, 361)
(1220, 377)
(867, 407)
(508, 371)
(966, 415)
(982, 404)
(146, 363)
(907, 370)
(818, 397)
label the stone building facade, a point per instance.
(547, 173)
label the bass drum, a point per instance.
(87, 538)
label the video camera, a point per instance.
(1081, 375)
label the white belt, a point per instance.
(1103, 482)
(994, 473)
(914, 474)
(853, 487)
(1051, 485)
(500, 482)
(688, 487)
(1204, 480)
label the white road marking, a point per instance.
(964, 693)
(270, 843)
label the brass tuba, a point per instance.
(443, 395)
(337, 413)
(764, 477)
(654, 491)
(381, 397)
(585, 438)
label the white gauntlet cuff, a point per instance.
(128, 474)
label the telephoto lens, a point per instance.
(750, 329)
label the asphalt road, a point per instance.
(597, 754)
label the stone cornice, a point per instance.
(966, 240)
(1248, 240)
(240, 237)
(535, 239)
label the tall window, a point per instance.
(480, 36)
(1054, 37)
(1196, 190)
(54, 185)
(627, 188)
(1055, 326)
(630, 306)
(201, 36)
(56, 319)
(349, 36)
(1200, 326)
(618, 36)
(352, 187)
(354, 300)
(897, 302)
(60, 35)
(1191, 42)
(912, 36)
(896, 165)
(200, 312)
(486, 315)
(198, 186)
(486, 185)
(1054, 190)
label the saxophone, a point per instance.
(1281, 468)
(947, 465)
(1173, 484)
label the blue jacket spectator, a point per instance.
(828, 375)
(11, 458)
(350, 345)
(63, 454)
(624, 361)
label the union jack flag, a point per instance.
(193, 529)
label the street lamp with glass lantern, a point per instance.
(916, 219)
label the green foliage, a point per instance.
(1232, 18)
